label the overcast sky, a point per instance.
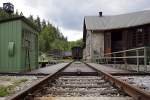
(68, 15)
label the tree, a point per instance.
(21, 14)
(43, 23)
(38, 23)
(17, 13)
(3, 14)
(31, 18)
(75, 43)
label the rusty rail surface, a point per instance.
(130, 74)
(134, 92)
(23, 74)
(20, 95)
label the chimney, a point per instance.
(100, 14)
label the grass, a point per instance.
(3, 91)
(17, 82)
(6, 90)
(5, 78)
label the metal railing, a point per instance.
(138, 57)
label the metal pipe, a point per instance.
(127, 50)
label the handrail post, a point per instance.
(125, 60)
(137, 60)
(124, 55)
(114, 55)
(145, 58)
(106, 60)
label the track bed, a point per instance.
(83, 86)
(79, 85)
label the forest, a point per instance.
(50, 36)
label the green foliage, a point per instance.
(3, 14)
(18, 82)
(51, 38)
(3, 91)
(75, 43)
(6, 90)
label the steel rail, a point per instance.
(20, 95)
(130, 74)
(23, 74)
(134, 92)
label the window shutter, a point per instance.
(11, 47)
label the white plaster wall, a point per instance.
(84, 53)
(98, 43)
(94, 41)
(87, 50)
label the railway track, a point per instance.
(78, 84)
(83, 86)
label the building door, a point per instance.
(116, 41)
(107, 42)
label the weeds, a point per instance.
(6, 90)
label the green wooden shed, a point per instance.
(18, 45)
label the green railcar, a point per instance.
(18, 45)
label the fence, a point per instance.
(137, 59)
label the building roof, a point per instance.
(2, 20)
(117, 21)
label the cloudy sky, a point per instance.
(68, 15)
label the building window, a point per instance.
(139, 37)
(139, 30)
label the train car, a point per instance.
(77, 53)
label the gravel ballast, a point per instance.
(142, 82)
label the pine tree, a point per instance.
(38, 23)
(21, 14)
(17, 13)
(30, 18)
(43, 23)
